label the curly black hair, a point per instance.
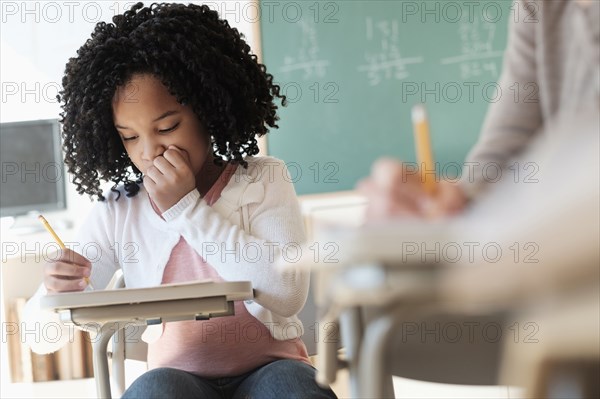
(203, 62)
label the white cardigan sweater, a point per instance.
(255, 224)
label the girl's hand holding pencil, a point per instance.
(69, 271)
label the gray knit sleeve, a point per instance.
(513, 120)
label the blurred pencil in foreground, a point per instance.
(423, 148)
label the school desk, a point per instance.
(546, 227)
(372, 294)
(368, 290)
(105, 312)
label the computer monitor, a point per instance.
(33, 177)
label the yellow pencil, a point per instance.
(60, 243)
(423, 148)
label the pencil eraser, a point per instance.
(418, 113)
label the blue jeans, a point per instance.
(280, 379)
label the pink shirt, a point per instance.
(223, 346)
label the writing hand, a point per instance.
(66, 272)
(394, 189)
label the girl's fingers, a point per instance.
(68, 270)
(175, 156)
(69, 256)
(163, 165)
(55, 284)
(153, 173)
(148, 182)
(64, 276)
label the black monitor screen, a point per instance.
(33, 177)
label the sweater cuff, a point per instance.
(189, 199)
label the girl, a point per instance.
(165, 103)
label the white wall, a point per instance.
(38, 38)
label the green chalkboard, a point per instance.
(352, 70)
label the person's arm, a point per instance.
(275, 233)
(513, 120)
(93, 244)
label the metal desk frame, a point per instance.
(106, 319)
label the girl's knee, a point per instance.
(297, 379)
(159, 382)
(163, 374)
(288, 367)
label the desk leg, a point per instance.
(351, 333)
(118, 362)
(375, 378)
(100, 360)
(327, 359)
